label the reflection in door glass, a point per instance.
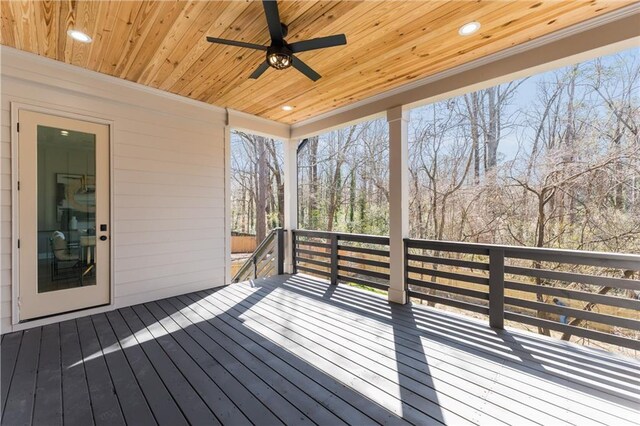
(66, 209)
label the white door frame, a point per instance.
(15, 269)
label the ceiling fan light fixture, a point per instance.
(79, 36)
(279, 57)
(469, 28)
(279, 61)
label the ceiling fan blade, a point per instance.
(305, 69)
(260, 70)
(236, 43)
(273, 19)
(318, 43)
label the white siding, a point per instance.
(168, 192)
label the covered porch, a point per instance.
(328, 326)
(294, 349)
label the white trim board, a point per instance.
(609, 33)
(227, 207)
(257, 125)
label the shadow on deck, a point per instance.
(295, 350)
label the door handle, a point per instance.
(103, 238)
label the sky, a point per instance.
(527, 95)
(521, 102)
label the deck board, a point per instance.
(132, 401)
(188, 399)
(255, 383)
(348, 405)
(76, 407)
(241, 405)
(219, 404)
(206, 310)
(10, 348)
(160, 401)
(295, 350)
(413, 401)
(20, 400)
(105, 402)
(48, 397)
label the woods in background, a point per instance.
(567, 174)
(257, 186)
(549, 161)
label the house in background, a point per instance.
(115, 221)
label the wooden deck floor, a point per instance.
(295, 350)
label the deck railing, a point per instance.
(342, 257)
(573, 293)
(267, 259)
(563, 293)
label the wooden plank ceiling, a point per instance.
(162, 43)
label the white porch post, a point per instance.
(227, 207)
(290, 199)
(398, 200)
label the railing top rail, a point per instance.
(263, 244)
(563, 255)
(345, 236)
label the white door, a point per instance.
(63, 215)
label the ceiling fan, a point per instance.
(280, 53)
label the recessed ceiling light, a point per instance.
(470, 28)
(79, 36)
(287, 108)
(64, 132)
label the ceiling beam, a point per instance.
(238, 120)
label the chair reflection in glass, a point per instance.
(64, 263)
(88, 253)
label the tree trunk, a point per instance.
(540, 227)
(335, 189)
(492, 131)
(418, 206)
(472, 108)
(262, 190)
(279, 184)
(312, 211)
(352, 200)
(588, 307)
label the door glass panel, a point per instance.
(66, 209)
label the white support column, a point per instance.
(398, 200)
(290, 198)
(227, 205)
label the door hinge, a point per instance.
(18, 127)
(18, 185)
(18, 242)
